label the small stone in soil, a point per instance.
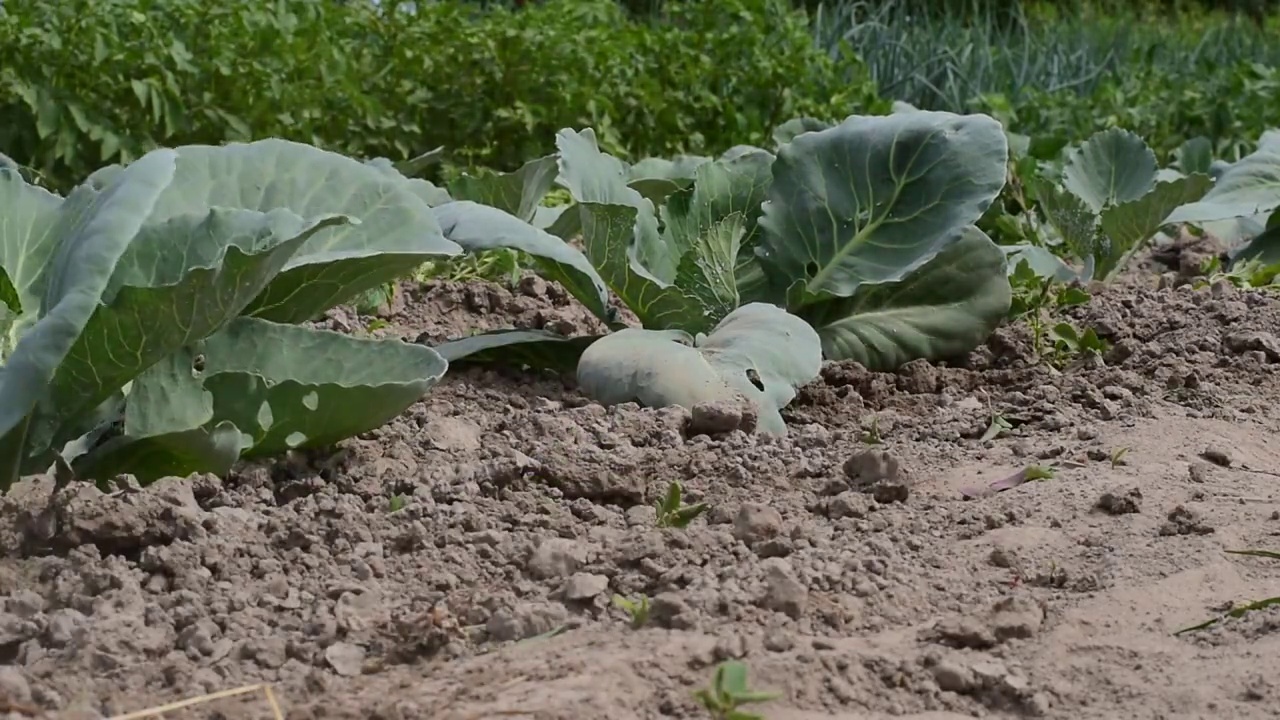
(756, 522)
(879, 473)
(555, 557)
(1182, 521)
(1217, 456)
(14, 686)
(715, 418)
(584, 586)
(1120, 502)
(345, 659)
(783, 592)
(953, 677)
(670, 610)
(1199, 472)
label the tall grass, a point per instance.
(959, 51)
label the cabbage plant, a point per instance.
(1243, 205)
(150, 321)
(862, 230)
(1106, 204)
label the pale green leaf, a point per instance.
(1128, 226)
(944, 309)
(392, 233)
(517, 193)
(282, 386)
(179, 281)
(759, 351)
(1249, 187)
(871, 199)
(477, 227)
(91, 231)
(1114, 166)
(537, 349)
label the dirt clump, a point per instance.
(462, 561)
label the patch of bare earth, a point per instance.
(852, 577)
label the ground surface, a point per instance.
(526, 508)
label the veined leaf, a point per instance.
(281, 386)
(873, 198)
(1249, 187)
(80, 244)
(1111, 168)
(538, 349)
(615, 222)
(595, 178)
(1129, 225)
(943, 309)
(392, 233)
(179, 281)
(516, 193)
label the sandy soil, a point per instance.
(854, 578)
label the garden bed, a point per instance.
(461, 562)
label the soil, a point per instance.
(460, 563)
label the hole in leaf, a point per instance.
(754, 377)
(197, 364)
(811, 269)
(265, 418)
(294, 439)
(311, 400)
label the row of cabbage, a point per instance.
(156, 320)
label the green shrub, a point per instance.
(85, 83)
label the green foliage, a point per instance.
(729, 691)
(637, 610)
(758, 351)
(1066, 70)
(672, 510)
(1109, 201)
(863, 229)
(86, 83)
(149, 320)
(678, 279)
(1039, 301)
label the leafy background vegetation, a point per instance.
(88, 82)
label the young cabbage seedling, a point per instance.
(871, 436)
(729, 690)
(672, 512)
(998, 426)
(1117, 456)
(637, 609)
(1039, 472)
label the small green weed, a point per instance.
(501, 266)
(1039, 472)
(871, 436)
(1117, 456)
(672, 512)
(1242, 610)
(396, 503)
(998, 426)
(1251, 275)
(1037, 300)
(379, 297)
(637, 609)
(729, 690)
